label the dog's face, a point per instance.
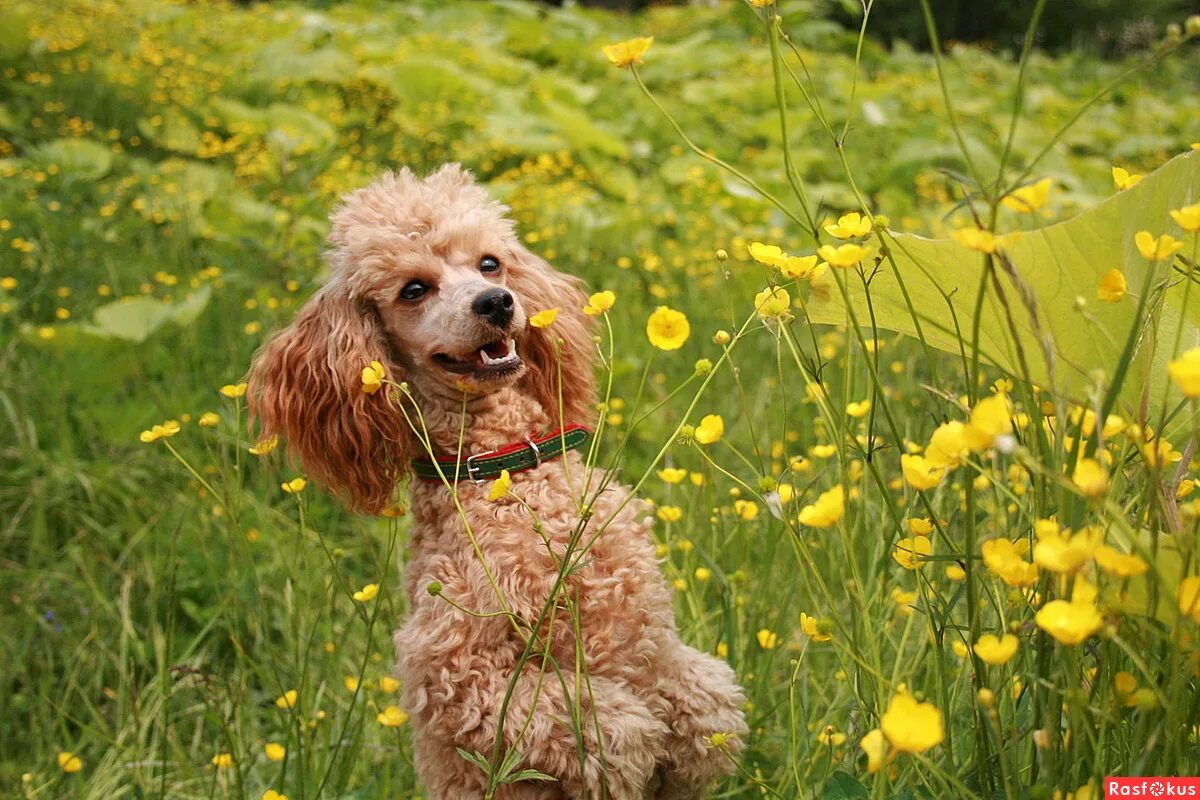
(429, 278)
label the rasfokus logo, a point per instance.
(1151, 787)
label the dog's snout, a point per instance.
(496, 305)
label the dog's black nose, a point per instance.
(496, 305)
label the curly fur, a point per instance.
(648, 700)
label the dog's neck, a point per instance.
(484, 423)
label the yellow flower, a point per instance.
(222, 760)
(1112, 287)
(669, 513)
(164, 431)
(287, 699)
(920, 526)
(825, 513)
(1004, 559)
(271, 794)
(769, 255)
(1029, 198)
(910, 551)
(388, 684)
(702, 574)
(995, 650)
(372, 377)
(69, 762)
(367, 593)
(8, 283)
(1118, 564)
(1069, 622)
(1090, 477)
(956, 573)
(233, 390)
(799, 267)
(1156, 249)
(718, 740)
(391, 717)
(767, 639)
(544, 319)
(710, 430)
(976, 239)
(264, 446)
(672, 475)
(920, 473)
(858, 409)
(501, 486)
(1189, 597)
(600, 302)
(762, 3)
(294, 486)
(1187, 217)
(991, 418)
(812, 629)
(1125, 179)
(910, 726)
(745, 509)
(844, 256)
(850, 226)
(1060, 551)
(1185, 372)
(875, 746)
(772, 302)
(628, 52)
(667, 329)
(947, 446)
(274, 751)
(830, 737)
(351, 683)
(209, 419)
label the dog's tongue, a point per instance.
(497, 349)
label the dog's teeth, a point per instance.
(508, 356)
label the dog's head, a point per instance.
(429, 278)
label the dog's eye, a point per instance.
(413, 290)
(489, 264)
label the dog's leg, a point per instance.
(704, 699)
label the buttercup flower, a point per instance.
(1090, 477)
(501, 486)
(858, 408)
(69, 762)
(850, 226)
(164, 431)
(669, 513)
(920, 526)
(1069, 622)
(672, 475)
(667, 329)
(831, 737)
(919, 473)
(995, 650)
(875, 746)
(1112, 286)
(772, 302)
(844, 256)
(746, 510)
(599, 302)
(233, 390)
(910, 726)
(287, 699)
(367, 593)
(799, 267)
(1185, 372)
(1187, 217)
(1004, 559)
(222, 760)
(710, 430)
(1029, 198)
(271, 794)
(991, 418)
(544, 319)
(812, 629)
(391, 717)
(209, 419)
(976, 239)
(628, 52)
(767, 254)
(388, 684)
(1124, 179)
(294, 486)
(264, 446)
(910, 551)
(1158, 249)
(1189, 597)
(767, 639)
(1062, 551)
(1118, 564)
(947, 446)
(274, 751)
(826, 511)
(372, 377)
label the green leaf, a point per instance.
(76, 158)
(842, 786)
(134, 319)
(1051, 268)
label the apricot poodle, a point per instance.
(540, 624)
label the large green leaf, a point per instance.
(134, 319)
(1051, 268)
(76, 158)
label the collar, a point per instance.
(513, 457)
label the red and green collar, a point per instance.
(512, 457)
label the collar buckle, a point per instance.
(472, 468)
(537, 454)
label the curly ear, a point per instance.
(565, 348)
(306, 384)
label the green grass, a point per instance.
(183, 158)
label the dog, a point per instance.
(540, 623)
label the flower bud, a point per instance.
(703, 367)
(1192, 25)
(722, 338)
(434, 588)
(722, 255)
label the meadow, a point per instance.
(923, 464)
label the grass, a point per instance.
(167, 170)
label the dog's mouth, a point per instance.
(494, 360)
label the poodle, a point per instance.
(540, 636)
